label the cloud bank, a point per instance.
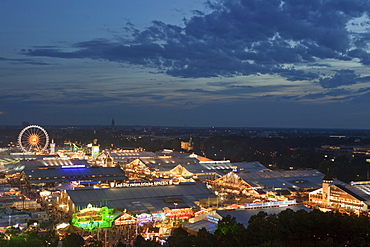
(244, 37)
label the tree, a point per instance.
(302, 223)
(95, 243)
(230, 233)
(180, 238)
(73, 240)
(205, 239)
(139, 241)
(120, 244)
(286, 225)
(260, 228)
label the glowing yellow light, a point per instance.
(33, 139)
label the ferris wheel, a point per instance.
(33, 138)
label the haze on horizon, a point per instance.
(235, 63)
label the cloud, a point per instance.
(240, 38)
(342, 78)
(362, 99)
(23, 61)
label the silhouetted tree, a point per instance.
(180, 238)
(230, 233)
(73, 240)
(205, 239)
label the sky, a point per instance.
(216, 63)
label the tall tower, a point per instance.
(52, 147)
(190, 147)
(95, 149)
(109, 162)
(113, 125)
(326, 182)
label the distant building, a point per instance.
(332, 152)
(187, 145)
(79, 174)
(333, 196)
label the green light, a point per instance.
(93, 218)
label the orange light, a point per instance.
(33, 139)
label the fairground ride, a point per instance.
(33, 139)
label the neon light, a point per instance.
(74, 166)
(143, 218)
(179, 213)
(92, 218)
(159, 216)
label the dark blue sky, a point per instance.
(230, 63)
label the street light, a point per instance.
(175, 203)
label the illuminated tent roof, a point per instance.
(164, 163)
(196, 226)
(70, 229)
(142, 199)
(57, 174)
(180, 171)
(232, 178)
(72, 172)
(131, 155)
(254, 166)
(55, 162)
(362, 190)
(310, 178)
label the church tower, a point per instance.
(52, 147)
(109, 162)
(326, 182)
(95, 149)
(113, 125)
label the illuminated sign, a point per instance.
(215, 162)
(269, 204)
(213, 219)
(143, 184)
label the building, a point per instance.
(138, 200)
(335, 196)
(79, 174)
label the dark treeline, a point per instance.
(288, 228)
(285, 229)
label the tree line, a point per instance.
(286, 229)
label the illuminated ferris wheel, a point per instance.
(33, 138)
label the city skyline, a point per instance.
(283, 64)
